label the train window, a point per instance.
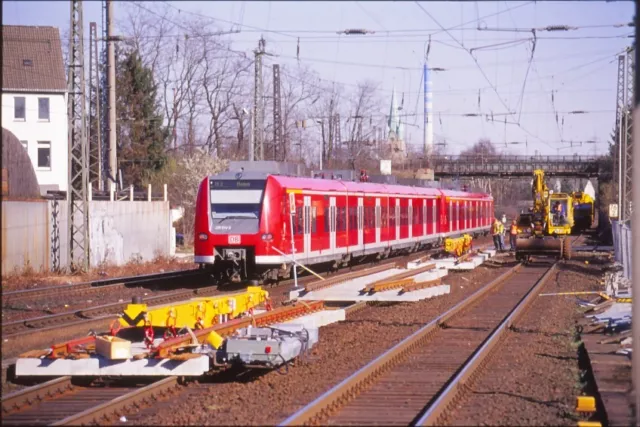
(417, 214)
(341, 220)
(326, 218)
(314, 219)
(392, 216)
(384, 217)
(299, 225)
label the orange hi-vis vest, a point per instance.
(514, 229)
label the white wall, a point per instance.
(119, 232)
(33, 130)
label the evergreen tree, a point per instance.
(142, 137)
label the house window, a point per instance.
(44, 154)
(25, 144)
(19, 108)
(43, 109)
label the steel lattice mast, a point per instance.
(78, 216)
(627, 149)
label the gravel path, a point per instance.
(533, 380)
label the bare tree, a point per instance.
(364, 105)
(224, 78)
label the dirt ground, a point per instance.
(534, 379)
(29, 279)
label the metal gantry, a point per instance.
(78, 215)
(95, 132)
(279, 150)
(257, 150)
(627, 149)
(620, 112)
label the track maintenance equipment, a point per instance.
(459, 246)
(551, 220)
(196, 313)
(583, 211)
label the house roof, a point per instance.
(32, 59)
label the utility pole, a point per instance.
(628, 132)
(635, 230)
(95, 137)
(620, 112)
(78, 216)
(279, 150)
(111, 75)
(257, 150)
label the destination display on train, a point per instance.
(248, 184)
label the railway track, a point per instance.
(106, 311)
(61, 402)
(88, 288)
(420, 379)
(40, 324)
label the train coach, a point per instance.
(247, 223)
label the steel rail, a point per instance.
(30, 395)
(349, 386)
(437, 411)
(38, 324)
(121, 403)
(11, 296)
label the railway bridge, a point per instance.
(458, 166)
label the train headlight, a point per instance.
(203, 236)
(267, 237)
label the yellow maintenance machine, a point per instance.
(458, 247)
(551, 220)
(196, 313)
(583, 211)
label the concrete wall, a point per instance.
(119, 232)
(25, 235)
(32, 130)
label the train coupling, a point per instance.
(266, 348)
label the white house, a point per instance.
(34, 106)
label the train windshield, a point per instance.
(236, 198)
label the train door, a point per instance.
(378, 220)
(332, 225)
(360, 223)
(307, 226)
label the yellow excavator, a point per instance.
(551, 219)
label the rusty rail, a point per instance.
(397, 280)
(28, 396)
(113, 407)
(446, 401)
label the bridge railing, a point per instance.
(506, 164)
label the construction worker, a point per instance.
(496, 231)
(513, 235)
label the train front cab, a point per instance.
(232, 222)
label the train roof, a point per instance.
(319, 184)
(366, 187)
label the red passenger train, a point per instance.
(247, 222)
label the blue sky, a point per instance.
(579, 65)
